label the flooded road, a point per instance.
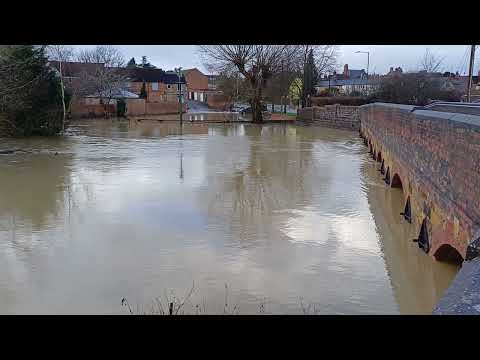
(210, 117)
(293, 219)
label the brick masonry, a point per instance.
(334, 116)
(437, 157)
(137, 107)
(196, 80)
(218, 101)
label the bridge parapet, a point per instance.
(435, 157)
(463, 296)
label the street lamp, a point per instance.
(179, 71)
(179, 89)
(368, 60)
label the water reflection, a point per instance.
(418, 281)
(129, 209)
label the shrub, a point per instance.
(413, 89)
(328, 92)
(342, 100)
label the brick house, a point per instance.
(348, 82)
(197, 84)
(73, 71)
(201, 87)
(160, 85)
(212, 82)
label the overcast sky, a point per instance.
(382, 57)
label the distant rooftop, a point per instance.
(151, 75)
(74, 69)
(116, 94)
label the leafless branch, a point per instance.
(108, 79)
(256, 63)
(430, 62)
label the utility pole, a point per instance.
(179, 90)
(368, 61)
(178, 71)
(470, 73)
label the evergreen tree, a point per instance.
(31, 101)
(143, 91)
(310, 79)
(146, 64)
(132, 63)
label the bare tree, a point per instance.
(278, 87)
(61, 54)
(325, 57)
(233, 86)
(430, 62)
(108, 79)
(256, 63)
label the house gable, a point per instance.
(196, 80)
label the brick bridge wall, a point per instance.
(437, 157)
(334, 116)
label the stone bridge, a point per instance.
(434, 157)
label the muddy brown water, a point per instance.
(289, 217)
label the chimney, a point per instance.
(391, 69)
(345, 71)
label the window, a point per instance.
(169, 86)
(155, 86)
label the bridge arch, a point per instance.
(447, 253)
(396, 182)
(379, 156)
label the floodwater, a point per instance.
(213, 116)
(270, 219)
